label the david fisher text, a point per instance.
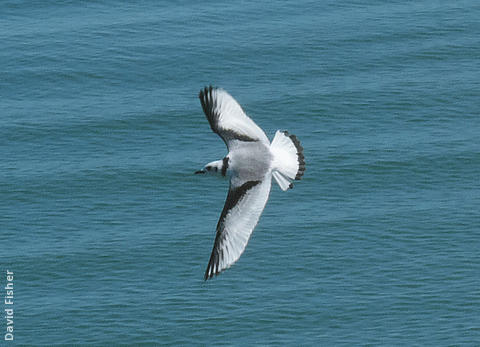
(9, 306)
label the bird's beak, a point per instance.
(199, 172)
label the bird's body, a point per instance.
(250, 161)
(250, 164)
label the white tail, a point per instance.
(288, 159)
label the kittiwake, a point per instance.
(250, 164)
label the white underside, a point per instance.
(285, 160)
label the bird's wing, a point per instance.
(227, 118)
(243, 207)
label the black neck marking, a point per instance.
(225, 166)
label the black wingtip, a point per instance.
(206, 91)
(210, 276)
(212, 268)
(213, 262)
(208, 105)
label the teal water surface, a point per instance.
(108, 232)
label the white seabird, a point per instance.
(250, 163)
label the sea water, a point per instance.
(108, 232)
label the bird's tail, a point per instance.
(288, 159)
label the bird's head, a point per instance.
(214, 167)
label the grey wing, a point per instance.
(243, 208)
(227, 118)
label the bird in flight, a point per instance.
(250, 164)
